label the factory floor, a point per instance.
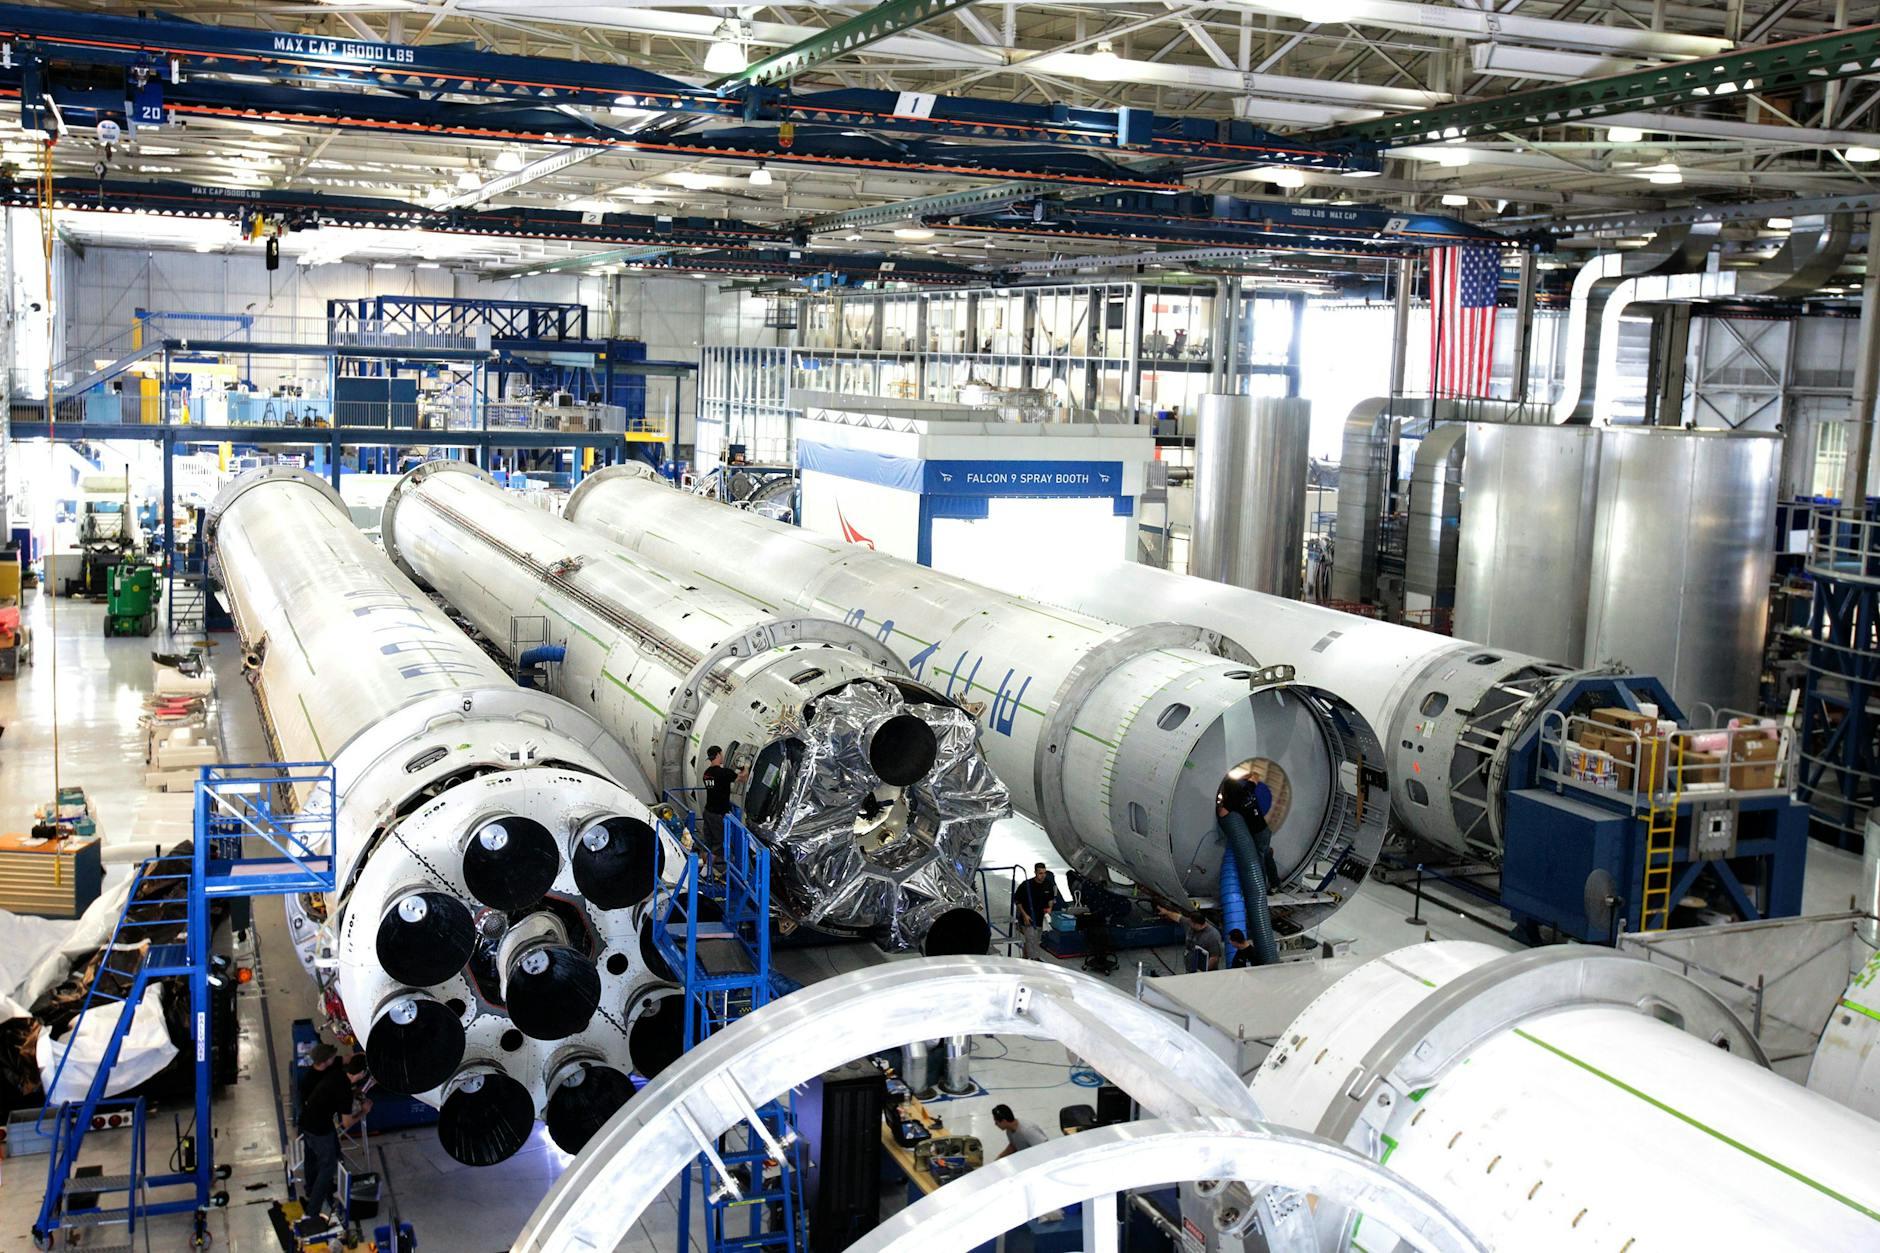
(101, 685)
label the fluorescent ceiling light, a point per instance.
(1624, 134)
(1283, 176)
(384, 265)
(1666, 175)
(1362, 173)
(263, 128)
(853, 235)
(643, 197)
(1860, 154)
(1781, 224)
(467, 180)
(1455, 200)
(726, 55)
(508, 161)
(692, 180)
(760, 177)
(429, 265)
(915, 233)
(1454, 158)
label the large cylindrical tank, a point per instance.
(1549, 1098)
(465, 941)
(1430, 543)
(1526, 554)
(868, 787)
(1682, 551)
(1251, 462)
(1116, 740)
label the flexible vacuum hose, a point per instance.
(1253, 887)
(1233, 901)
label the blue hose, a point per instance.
(541, 653)
(1253, 887)
(1233, 900)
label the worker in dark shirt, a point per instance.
(329, 1106)
(1204, 944)
(320, 1062)
(719, 779)
(1244, 953)
(1032, 903)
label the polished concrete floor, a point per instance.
(101, 684)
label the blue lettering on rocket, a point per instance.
(1005, 704)
(918, 661)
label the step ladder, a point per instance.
(188, 606)
(715, 935)
(260, 830)
(1661, 834)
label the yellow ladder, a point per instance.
(1661, 832)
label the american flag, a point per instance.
(1464, 282)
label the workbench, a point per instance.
(1035, 1237)
(52, 878)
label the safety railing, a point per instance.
(1845, 545)
(576, 419)
(1640, 768)
(288, 807)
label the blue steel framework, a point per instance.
(1562, 842)
(1840, 731)
(151, 47)
(724, 246)
(723, 961)
(287, 810)
(529, 337)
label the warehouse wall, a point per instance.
(101, 290)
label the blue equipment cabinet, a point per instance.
(1578, 857)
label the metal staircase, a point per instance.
(188, 605)
(715, 935)
(1666, 790)
(260, 830)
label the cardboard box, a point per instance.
(1754, 760)
(1622, 750)
(1700, 769)
(1626, 720)
(10, 577)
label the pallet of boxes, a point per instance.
(1624, 750)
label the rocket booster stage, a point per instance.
(485, 938)
(868, 786)
(1115, 740)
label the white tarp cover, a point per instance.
(145, 1051)
(36, 954)
(26, 942)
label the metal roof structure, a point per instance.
(947, 140)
